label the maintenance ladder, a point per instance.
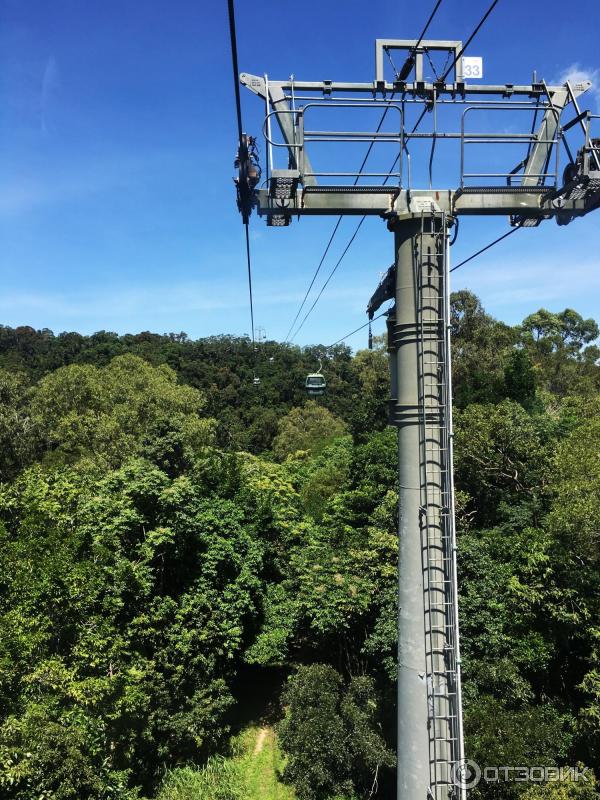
(437, 529)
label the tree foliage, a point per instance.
(124, 409)
(331, 735)
(125, 606)
(310, 427)
(173, 536)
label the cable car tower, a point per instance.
(529, 189)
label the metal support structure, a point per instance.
(528, 194)
(408, 46)
(430, 735)
(429, 701)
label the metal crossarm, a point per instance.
(530, 191)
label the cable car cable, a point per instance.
(352, 238)
(470, 39)
(410, 61)
(458, 55)
(234, 62)
(314, 277)
(428, 23)
(487, 247)
(362, 327)
(315, 381)
(238, 106)
(329, 277)
(337, 225)
(362, 166)
(249, 265)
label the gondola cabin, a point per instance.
(315, 385)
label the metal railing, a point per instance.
(302, 137)
(514, 177)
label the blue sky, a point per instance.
(117, 136)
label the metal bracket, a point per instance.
(408, 46)
(284, 116)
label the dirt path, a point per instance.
(260, 740)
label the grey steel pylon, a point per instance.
(429, 686)
(430, 735)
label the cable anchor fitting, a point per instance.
(249, 173)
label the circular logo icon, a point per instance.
(466, 774)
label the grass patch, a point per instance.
(219, 779)
(260, 763)
(251, 774)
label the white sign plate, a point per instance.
(425, 204)
(472, 67)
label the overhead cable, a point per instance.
(234, 62)
(362, 166)
(314, 277)
(410, 61)
(487, 247)
(427, 24)
(238, 104)
(249, 265)
(353, 237)
(462, 263)
(469, 40)
(335, 229)
(458, 55)
(362, 327)
(329, 277)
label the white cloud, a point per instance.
(162, 299)
(576, 73)
(50, 84)
(511, 288)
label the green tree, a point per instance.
(555, 342)
(310, 427)
(142, 571)
(370, 409)
(17, 430)
(576, 481)
(527, 736)
(564, 330)
(125, 603)
(503, 456)
(574, 521)
(566, 789)
(330, 735)
(519, 378)
(332, 594)
(480, 347)
(107, 414)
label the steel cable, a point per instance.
(238, 104)
(487, 247)
(339, 220)
(469, 40)
(356, 330)
(335, 229)
(352, 238)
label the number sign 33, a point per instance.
(472, 67)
